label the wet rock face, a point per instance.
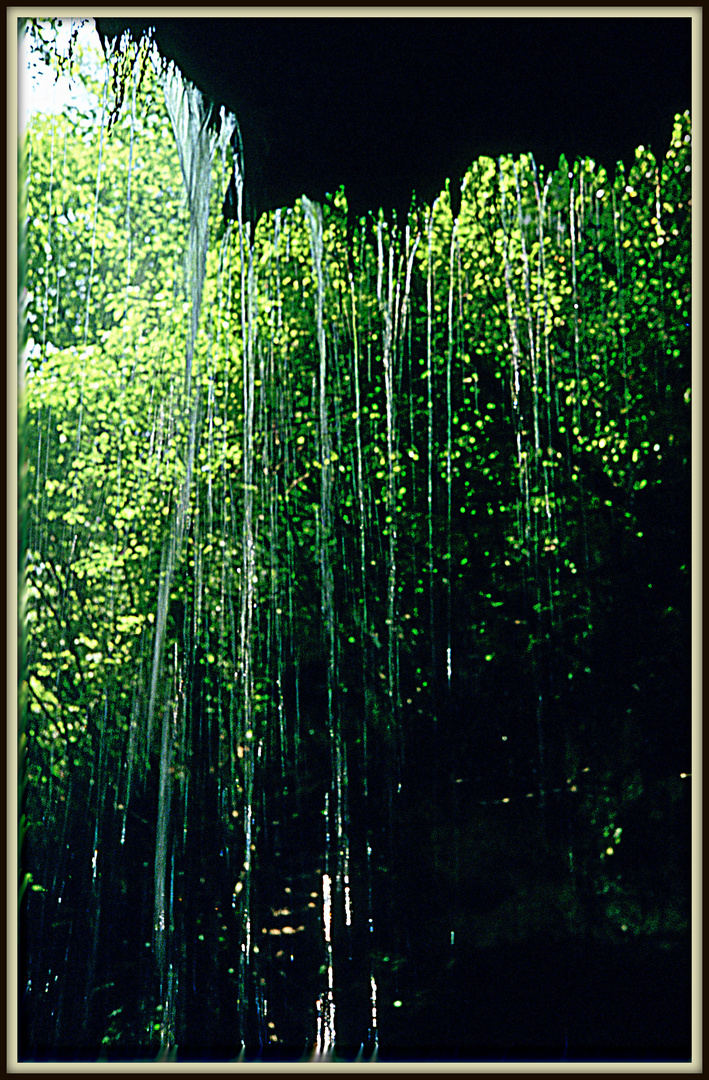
(391, 106)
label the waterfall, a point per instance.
(350, 623)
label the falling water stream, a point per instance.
(322, 581)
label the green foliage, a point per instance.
(98, 260)
(498, 391)
(43, 34)
(106, 434)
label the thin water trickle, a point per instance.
(429, 440)
(449, 451)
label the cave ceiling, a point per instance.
(391, 106)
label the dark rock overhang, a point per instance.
(391, 106)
